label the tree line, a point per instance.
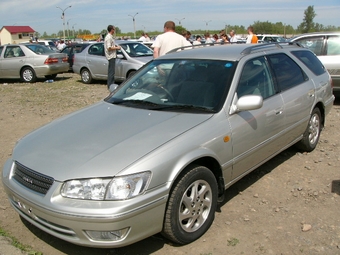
(260, 27)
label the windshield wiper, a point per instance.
(184, 107)
(140, 102)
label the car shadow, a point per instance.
(256, 175)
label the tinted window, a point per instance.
(38, 49)
(333, 45)
(256, 79)
(287, 72)
(66, 50)
(311, 61)
(315, 44)
(1, 48)
(97, 49)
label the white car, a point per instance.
(270, 38)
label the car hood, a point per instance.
(100, 140)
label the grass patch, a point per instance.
(15, 242)
(233, 242)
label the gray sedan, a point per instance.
(92, 64)
(28, 62)
(158, 153)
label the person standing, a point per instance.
(111, 53)
(252, 38)
(198, 40)
(168, 41)
(142, 38)
(233, 38)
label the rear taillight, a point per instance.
(49, 61)
(55, 60)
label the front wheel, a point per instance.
(86, 76)
(191, 206)
(312, 134)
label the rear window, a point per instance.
(311, 61)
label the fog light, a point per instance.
(114, 235)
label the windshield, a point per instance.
(177, 85)
(39, 49)
(136, 49)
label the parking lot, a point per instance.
(290, 205)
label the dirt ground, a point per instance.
(290, 205)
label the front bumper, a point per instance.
(72, 220)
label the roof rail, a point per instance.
(261, 46)
(190, 47)
(200, 46)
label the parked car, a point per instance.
(270, 38)
(28, 62)
(157, 154)
(326, 45)
(92, 64)
(71, 49)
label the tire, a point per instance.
(130, 74)
(86, 76)
(312, 134)
(191, 206)
(28, 75)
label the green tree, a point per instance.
(308, 24)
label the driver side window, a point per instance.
(256, 79)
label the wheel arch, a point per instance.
(129, 72)
(209, 162)
(322, 111)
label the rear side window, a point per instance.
(333, 46)
(97, 49)
(311, 61)
(287, 72)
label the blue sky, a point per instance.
(95, 15)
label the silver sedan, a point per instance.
(28, 62)
(92, 64)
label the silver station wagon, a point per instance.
(159, 152)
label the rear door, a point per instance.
(331, 58)
(96, 61)
(298, 94)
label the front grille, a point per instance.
(32, 179)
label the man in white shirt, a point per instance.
(110, 49)
(142, 38)
(233, 38)
(168, 41)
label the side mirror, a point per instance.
(246, 103)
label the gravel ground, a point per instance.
(290, 205)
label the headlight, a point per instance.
(118, 188)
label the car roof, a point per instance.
(233, 52)
(316, 34)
